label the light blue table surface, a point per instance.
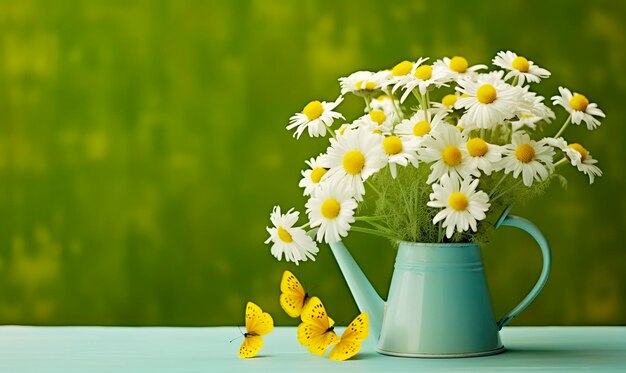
(106, 349)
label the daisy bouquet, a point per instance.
(441, 151)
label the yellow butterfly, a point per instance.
(316, 329)
(293, 297)
(351, 339)
(258, 323)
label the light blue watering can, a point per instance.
(438, 304)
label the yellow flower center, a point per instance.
(378, 116)
(520, 63)
(458, 201)
(353, 162)
(584, 153)
(284, 235)
(392, 145)
(423, 72)
(317, 173)
(313, 110)
(451, 155)
(579, 102)
(330, 208)
(368, 85)
(458, 64)
(402, 68)
(382, 97)
(477, 147)
(525, 153)
(486, 94)
(449, 100)
(421, 128)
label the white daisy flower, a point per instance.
(483, 156)
(448, 150)
(466, 127)
(312, 177)
(418, 126)
(583, 161)
(530, 158)
(421, 77)
(489, 100)
(332, 210)
(400, 152)
(525, 120)
(344, 128)
(532, 104)
(462, 205)
(362, 83)
(399, 71)
(386, 104)
(458, 67)
(579, 108)
(532, 110)
(376, 121)
(316, 117)
(289, 240)
(354, 157)
(578, 156)
(447, 103)
(520, 67)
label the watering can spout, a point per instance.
(362, 290)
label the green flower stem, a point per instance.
(396, 107)
(497, 185)
(515, 80)
(370, 218)
(418, 97)
(440, 232)
(565, 125)
(374, 232)
(373, 187)
(561, 162)
(367, 103)
(332, 133)
(409, 210)
(305, 225)
(506, 191)
(425, 104)
(378, 226)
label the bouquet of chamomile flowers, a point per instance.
(441, 151)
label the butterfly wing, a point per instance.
(315, 322)
(319, 345)
(314, 313)
(351, 339)
(315, 330)
(250, 346)
(258, 322)
(293, 296)
(344, 350)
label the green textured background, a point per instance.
(142, 147)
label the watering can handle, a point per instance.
(530, 228)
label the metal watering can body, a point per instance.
(439, 304)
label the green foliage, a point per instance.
(401, 210)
